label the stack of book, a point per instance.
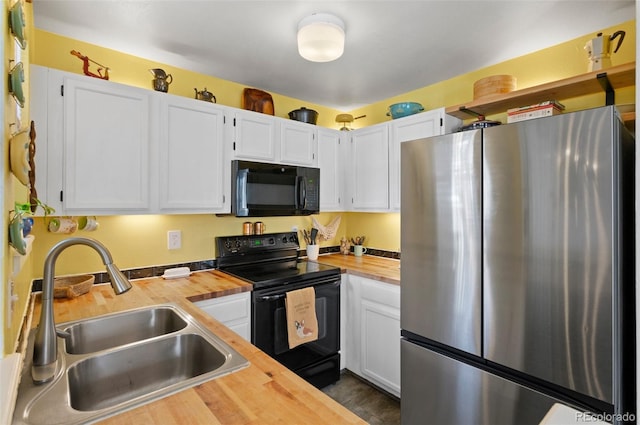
(542, 109)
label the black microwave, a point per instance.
(261, 190)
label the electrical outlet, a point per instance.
(174, 239)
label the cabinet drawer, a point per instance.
(243, 329)
(382, 293)
(228, 308)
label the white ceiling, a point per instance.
(392, 47)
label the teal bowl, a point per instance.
(404, 109)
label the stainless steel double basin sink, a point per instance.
(112, 363)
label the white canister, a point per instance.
(312, 252)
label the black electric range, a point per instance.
(270, 263)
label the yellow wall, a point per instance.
(138, 241)
(562, 61)
(382, 231)
(53, 51)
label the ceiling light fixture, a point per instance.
(321, 37)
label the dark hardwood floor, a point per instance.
(371, 404)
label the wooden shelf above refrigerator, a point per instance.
(601, 81)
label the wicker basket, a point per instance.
(72, 286)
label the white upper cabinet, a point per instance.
(374, 174)
(298, 145)
(254, 137)
(46, 113)
(106, 146)
(265, 138)
(332, 153)
(369, 171)
(192, 168)
(418, 126)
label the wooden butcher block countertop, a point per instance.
(264, 393)
(371, 266)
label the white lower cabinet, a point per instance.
(350, 323)
(233, 311)
(380, 334)
(372, 331)
(344, 282)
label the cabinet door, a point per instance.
(241, 328)
(350, 346)
(47, 114)
(254, 136)
(106, 143)
(419, 126)
(191, 162)
(331, 160)
(343, 321)
(380, 334)
(370, 168)
(298, 143)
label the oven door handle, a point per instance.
(270, 297)
(332, 282)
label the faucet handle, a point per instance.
(63, 334)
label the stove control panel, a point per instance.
(245, 244)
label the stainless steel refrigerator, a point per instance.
(518, 272)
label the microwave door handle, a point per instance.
(241, 192)
(301, 191)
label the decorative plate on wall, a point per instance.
(16, 78)
(17, 23)
(19, 156)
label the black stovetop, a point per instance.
(272, 275)
(268, 260)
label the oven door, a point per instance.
(269, 330)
